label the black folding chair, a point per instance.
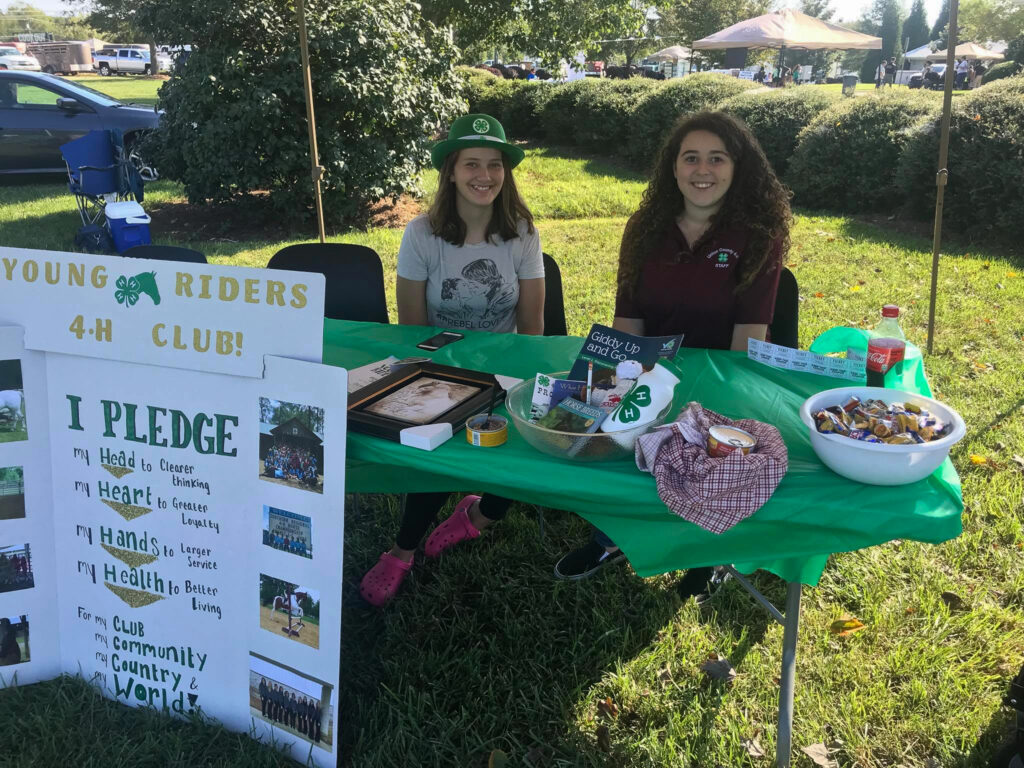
(554, 302)
(785, 326)
(165, 253)
(355, 278)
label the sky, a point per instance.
(847, 10)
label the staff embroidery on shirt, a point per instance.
(721, 257)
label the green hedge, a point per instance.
(777, 116)
(1001, 70)
(558, 116)
(604, 114)
(657, 112)
(846, 158)
(984, 193)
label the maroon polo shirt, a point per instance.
(694, 293)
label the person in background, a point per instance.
(880, 73)
(890, 72)
(977, 73)
(962, 68)
(759, 75)
(478, 229)
(702, 257)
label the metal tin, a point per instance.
(723, 440)
(485, 431)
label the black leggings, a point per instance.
(421, 510)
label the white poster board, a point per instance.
(181, 536)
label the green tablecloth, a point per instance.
(813, 513)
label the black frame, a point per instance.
(390, 429)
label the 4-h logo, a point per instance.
(481, 126)
(723, 257)
(631, 405)
(128, 289)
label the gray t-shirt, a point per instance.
(470, 287)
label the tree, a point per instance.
(551, 30)
(689, 20)
(235, 118)
(985, 20)
(939, 31)
(916, 28)
(883, 19)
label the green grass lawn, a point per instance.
(484, 651)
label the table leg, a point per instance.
(784, 744)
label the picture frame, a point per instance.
(418, 394)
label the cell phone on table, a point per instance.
(444, 338)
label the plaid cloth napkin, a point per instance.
(714, 493)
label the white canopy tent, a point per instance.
(972, 51)
(789, 29)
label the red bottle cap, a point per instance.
(890, 310)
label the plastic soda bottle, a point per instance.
(887, 346)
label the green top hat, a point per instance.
(475, 131)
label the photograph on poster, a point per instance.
(14, 640)
(287, 532)
(422, 400)
(15, 568)
(292, 444)
(291, 701)
(12, 493)
(290, 610)
(13, 426)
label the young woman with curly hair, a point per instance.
(701, 257)
(473, 262)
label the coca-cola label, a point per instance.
(884, 354)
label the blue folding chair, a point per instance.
(99, 172)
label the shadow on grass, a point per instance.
(917, 235)
(18, 189)
(601, 165)
(1000, 730)
(483, 649)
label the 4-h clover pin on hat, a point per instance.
(475, 131)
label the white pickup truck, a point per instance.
(128, 60)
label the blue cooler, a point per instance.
(128, 224)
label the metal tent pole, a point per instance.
(943, 172)
(317, 170)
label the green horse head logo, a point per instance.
(128, 289)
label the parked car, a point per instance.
(39, 112)
(12, 58)
(128, 60)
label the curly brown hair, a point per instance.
(508, 209)
(756, 201)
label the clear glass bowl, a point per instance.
(572, 446)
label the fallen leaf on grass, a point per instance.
(604, 738)
(978, 459)
(753, 747)
(718, 668)
(1011, 274)
(846, 626)
(953, 601)
(819, 295)
(820, 755)
(498, 759)
(855, 288)
(608, 708)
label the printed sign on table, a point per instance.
(171, 520)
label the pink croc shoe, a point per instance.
(382, 581)
(453, 530)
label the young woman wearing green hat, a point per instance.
(472, 262)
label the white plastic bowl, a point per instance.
(880, 463)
